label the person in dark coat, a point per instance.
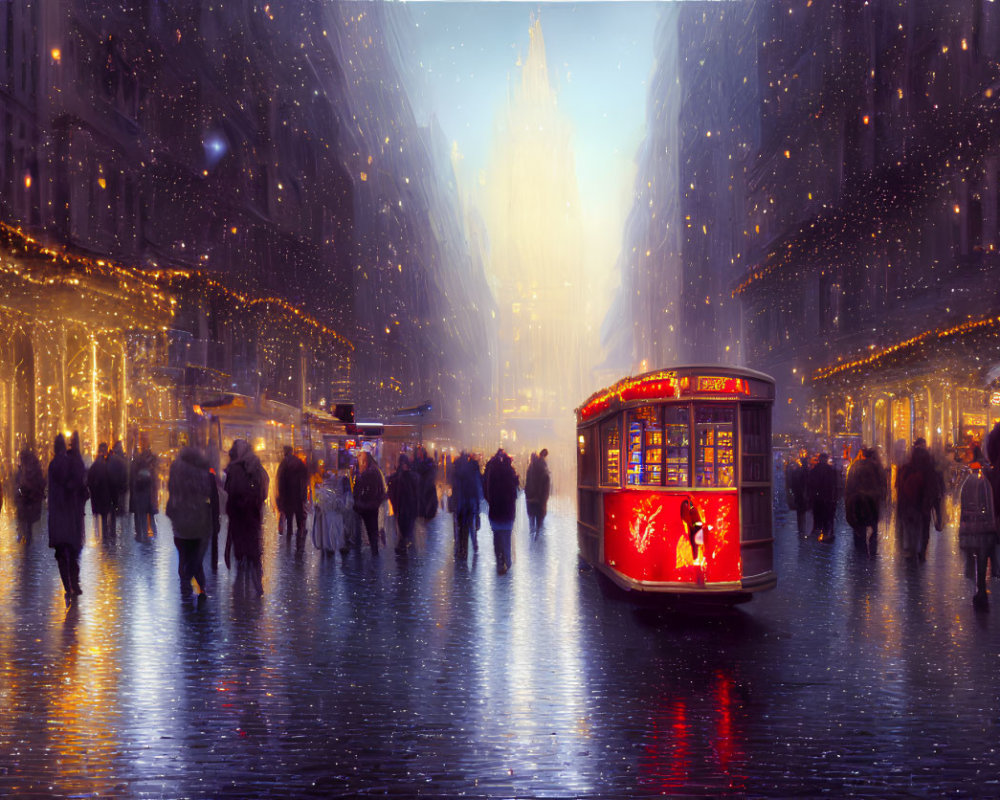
(864, 496)
(821, 486)
(29, 493)
(144, 490)
(404, 494)
(246, 491)
(101, 493)
(426, 471)
(795, 481)
(917, 496)
(193, 510)
(537, 484)
(293, 492)
(500, 486)
(369, 492)
(467, 495)
(67, 497)
(118, 475)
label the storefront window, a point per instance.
(714, 428)
(645, 447)
(611, 449)
(678, 439)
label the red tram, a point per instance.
(674, 482)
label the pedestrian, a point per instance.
(537, 485)
(101, 493)
(917, 494)
(977, 528)
(118, 474)
(144, 490)
(821, 486)
(246, 491)
(29, 493)
(864, 496)
(426, 471)
(193, 510)
(333, 504)
(67, 497)
(795, 481)
(369, 492)
(404, 494)
(293, 493)
(467, 495)
(500, 486)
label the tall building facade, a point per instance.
(534, 223)
(684, 238)
(875, 220)
(234, 199)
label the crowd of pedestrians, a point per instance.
(918, 488)
(344, 504)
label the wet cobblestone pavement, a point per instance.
(418, 676)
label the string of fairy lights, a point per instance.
(906, 346)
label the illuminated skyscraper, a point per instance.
(535, 229)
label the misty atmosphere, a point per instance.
(671, 269)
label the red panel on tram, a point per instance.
(683, 537)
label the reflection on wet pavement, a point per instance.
(420, 676)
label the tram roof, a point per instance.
(674, 382)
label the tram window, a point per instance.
(645, 447)
(678, 440)
(587, 457)
(756, 445)
(611, 448)
(714, 428)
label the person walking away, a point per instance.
(977, 528)
(916, 493)
(864, 496)
(467, 494)
(332, 502)
(246, 492)
(537, 485)
(821, 485)
(143, 491)
(426, 471)
(500, 485)
(795, 479)
(193, 511)
(101, 493)
(369, 492)
(293, 492)
(118, 476)
(404, 494)
(67, 496)
(29, 493)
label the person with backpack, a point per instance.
(369, 492)
(246, 491)
(193, 510)
(977, 527)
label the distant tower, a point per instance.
(535, 229)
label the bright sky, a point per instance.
(600, 57)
